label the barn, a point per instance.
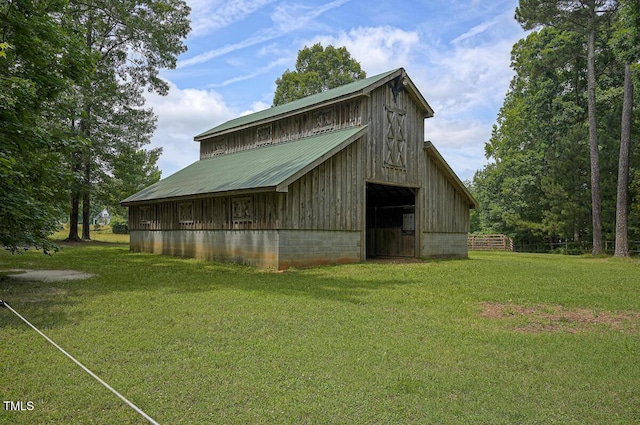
(337, 177)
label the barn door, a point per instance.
(390, 221)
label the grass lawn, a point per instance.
(496, 339)
(97, 233)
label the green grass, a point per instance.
(196, 342)
(97, 234)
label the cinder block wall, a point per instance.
(307, 248)
(256, 248)
(278, 249)
(444, 245)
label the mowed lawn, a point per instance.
(496, 339)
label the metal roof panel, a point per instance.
(265, 167)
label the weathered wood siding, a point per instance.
(253, 212)
(444, 209)
(336, 117)
(396, 136)
(331, 196)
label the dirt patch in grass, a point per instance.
(556, 318)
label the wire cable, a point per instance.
(107, 386)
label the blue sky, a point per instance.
(456, 52)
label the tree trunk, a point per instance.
(593, 144)
(75, 204)
(73, 217)
(86, 203)
(622, 204)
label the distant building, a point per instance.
(336, 177)
(103, 218)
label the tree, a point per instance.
(626, 41)
(132, 40)
(41, 56)
(317, 69)
(585, 17)
(537, 187)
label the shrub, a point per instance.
(120, 225)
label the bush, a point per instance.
(120, 225)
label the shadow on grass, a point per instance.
(118, 271)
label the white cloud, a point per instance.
(461, 142)
(208, 16)
(260, 37)
(183, 114)
(378, 49)
(455, 133)
(478, 29)
(278, 63)
(289, 17)
(286, 18)
(469, 78)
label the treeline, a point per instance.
(564, 158)
(73, 126)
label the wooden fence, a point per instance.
(490, 243)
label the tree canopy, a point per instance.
(41, 57)
(317, 69)
(72, 118)
(131, 41)
(539, 186)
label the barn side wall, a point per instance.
(331, 118)
(436, 245)
(445, 215)
(256, 248)
(277, 249)
(307, 248)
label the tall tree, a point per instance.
(627, 43)
(622, 203)
(586, 17)
(317, 69)
(41, 56)
(132, 40)
(537, 187)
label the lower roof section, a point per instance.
(271, 167)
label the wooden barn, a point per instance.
(337, 177)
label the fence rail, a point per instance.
(574, 248)
(499, 242)
(490, 243)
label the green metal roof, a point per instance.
(271, 167)
(306, 102)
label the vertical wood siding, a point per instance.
(214, 213)
(445, 211)
(330, 197)
(337, 117)
(376, 169)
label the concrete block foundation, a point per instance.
(278, 249)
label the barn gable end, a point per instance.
(337, 177)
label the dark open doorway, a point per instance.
(390, 221)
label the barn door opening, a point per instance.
(390, 221)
